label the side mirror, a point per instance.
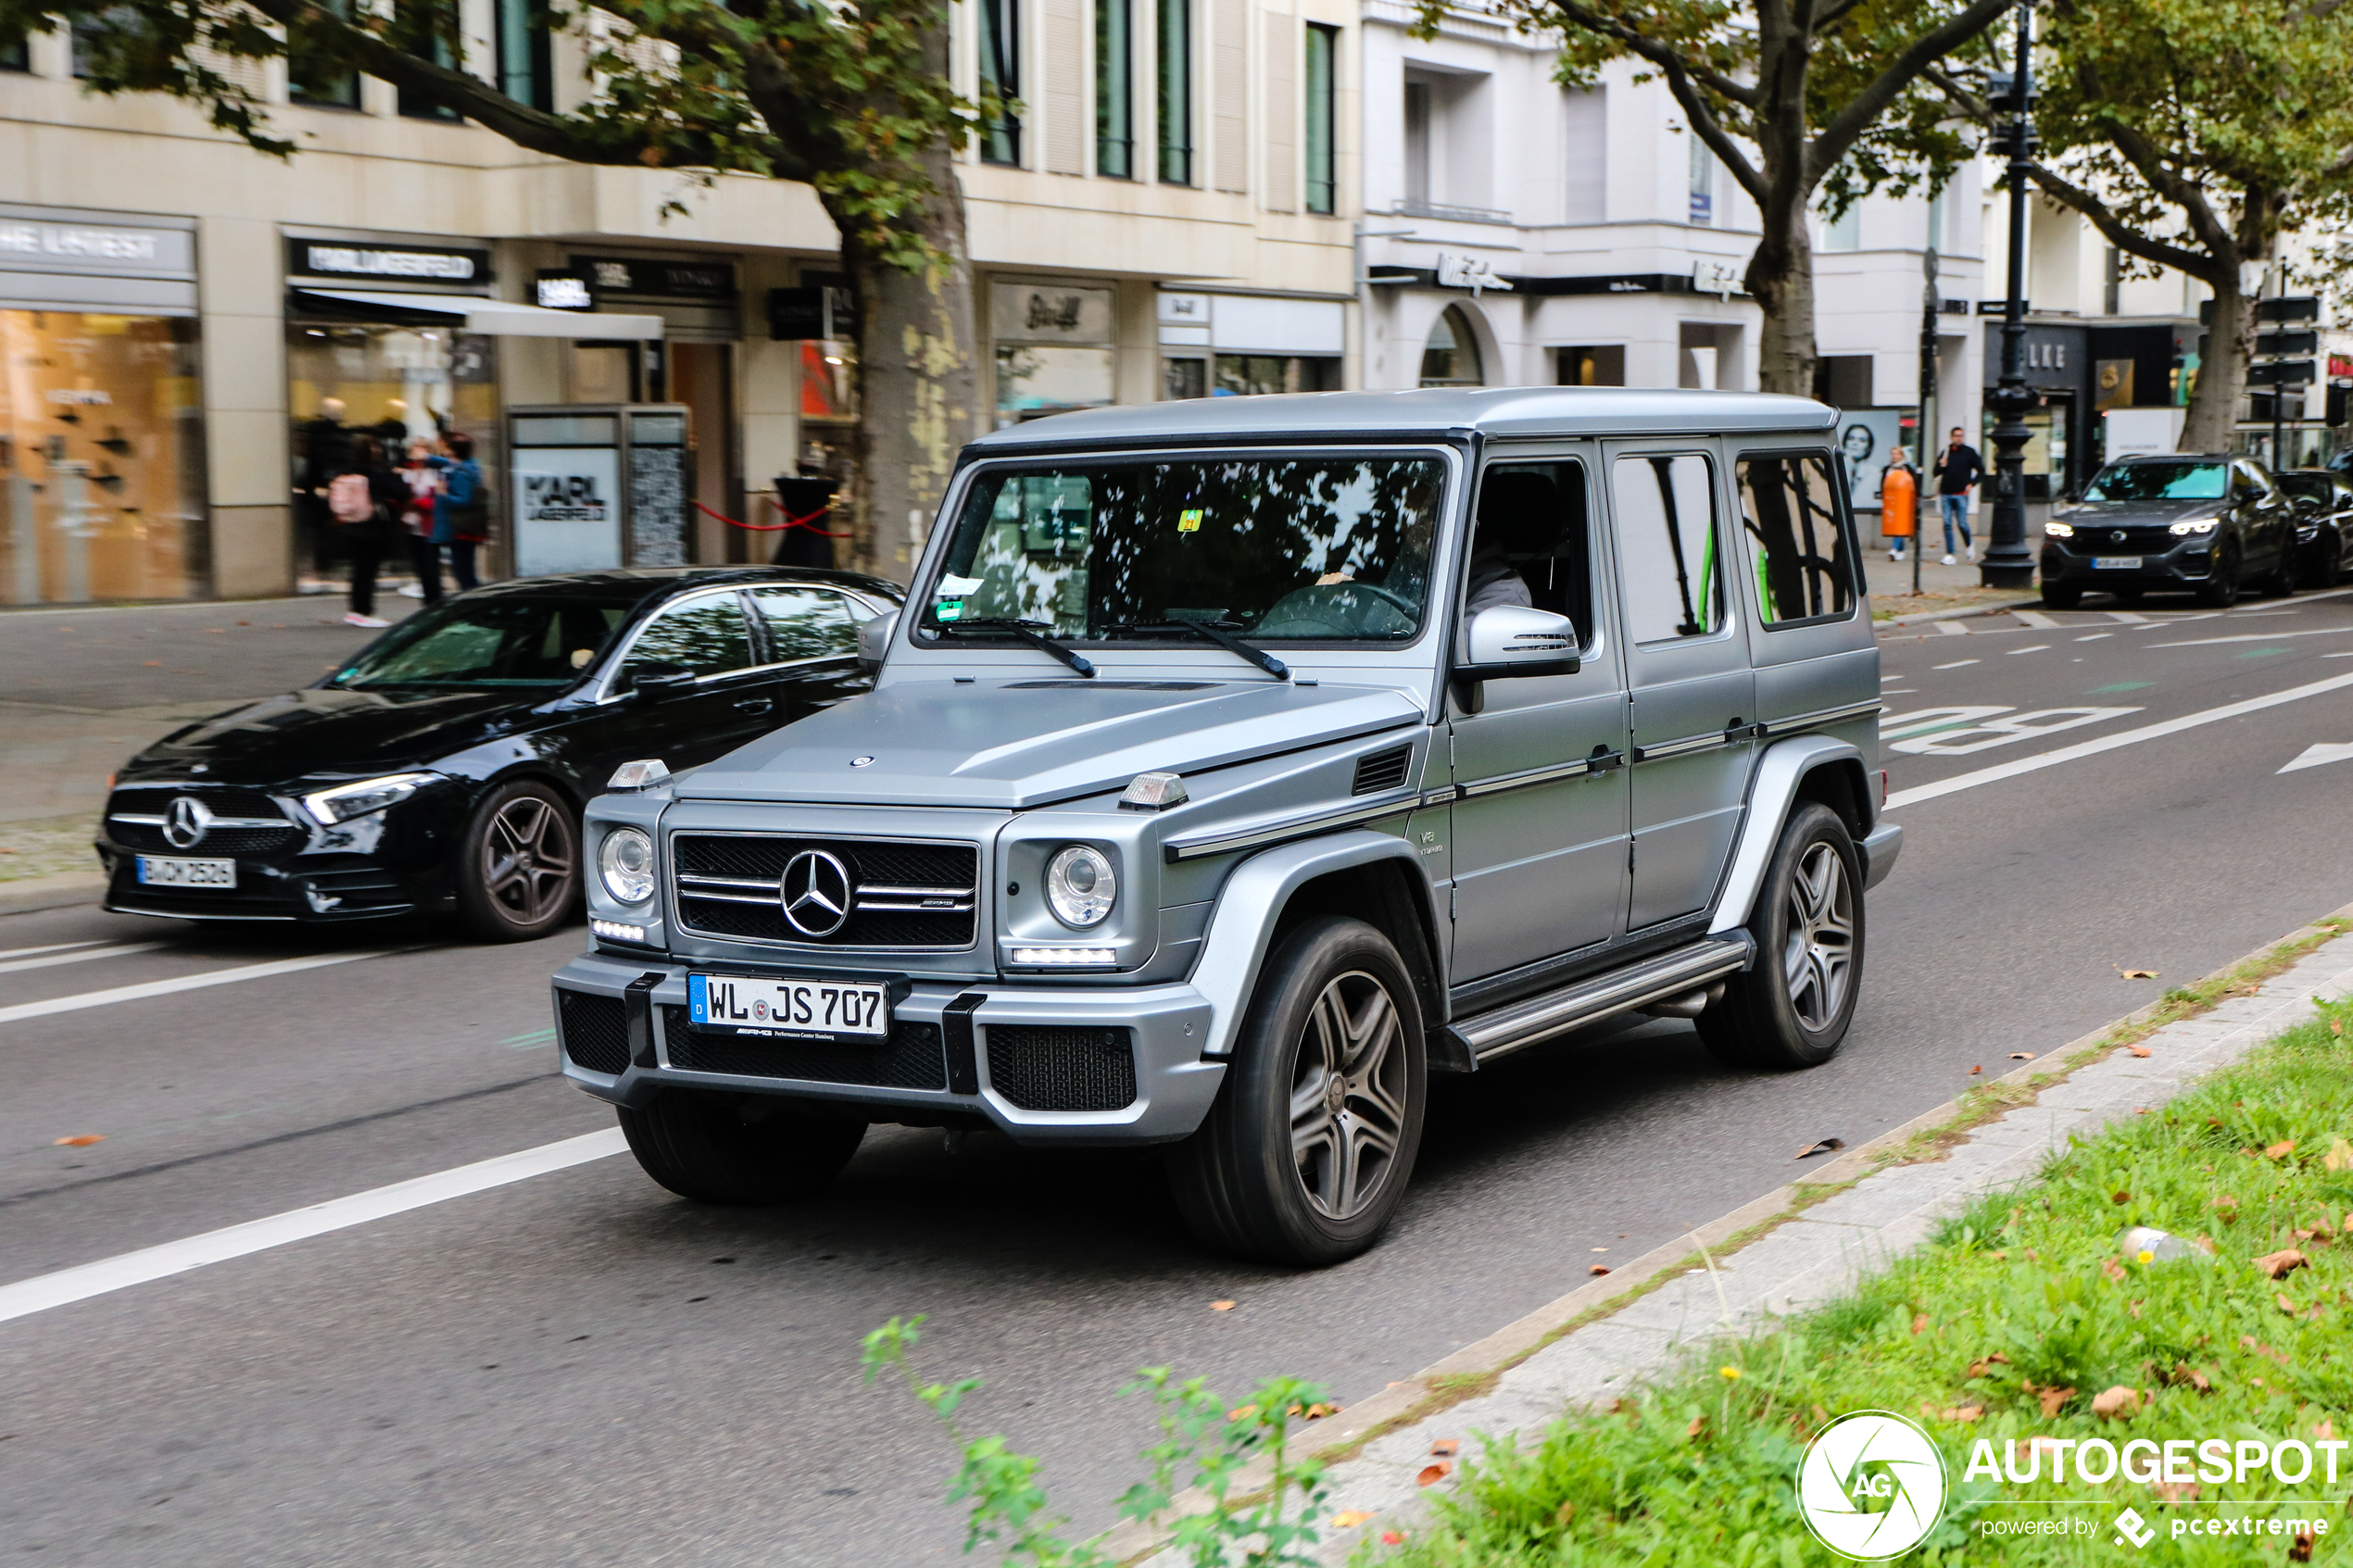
(874, 639)
(1512, 640)
(651, 683)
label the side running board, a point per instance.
(1500, 1031)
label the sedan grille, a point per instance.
(899, 894)
(238, 822)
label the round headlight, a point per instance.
(627, 861)
(1080, 885)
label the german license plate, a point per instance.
(172, 871)
(2116, 563)
(788, 1010)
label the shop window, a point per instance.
(1600, 365)
(1245, 375)
(1175, 92)
(1323, 64)
(317, 77)
(999, 79)
(1184, 378)
(1450, 357)
(1114, 90)
(1796, 549)
(429, 28)
(526, 71)
(1033, 379)
(101, 458)
(1703, 184)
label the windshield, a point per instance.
(2161, 482)
(1322, 549)
(503, 641)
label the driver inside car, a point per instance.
(1515, 510)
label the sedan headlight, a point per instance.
(625, 860)
(2058, 530)
(1080, 885)
(345, 801)
(2198, 525)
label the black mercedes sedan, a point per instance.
(443, 768)
(2324, 497)
(2206, 524)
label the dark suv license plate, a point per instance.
(788, 1010)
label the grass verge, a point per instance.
(46, 845)
(2007, 1326)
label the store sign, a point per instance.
(344, 259)
(659, 276)
(1050, 313)
(564, 291)
(1472, 273)
(92, 247)
(567, 508)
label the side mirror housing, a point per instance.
(874, 639)
(651, 683)
(1510, 641)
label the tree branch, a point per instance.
(2119, 233)
(2188, 196)
(1867, 106)
(1663, 56)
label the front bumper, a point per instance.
(2185, 563)
(391, 863)
(956, 1053)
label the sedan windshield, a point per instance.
(1322, 549)
(505, 640)
(2161, 482)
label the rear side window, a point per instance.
(1797, 548)
(1667, 545)
(706, 636)
(806, 623)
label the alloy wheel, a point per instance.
(1348, 1096)
(1818, 954)
(527, 859)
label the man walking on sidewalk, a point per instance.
(1958, 467)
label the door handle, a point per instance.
(754, 703)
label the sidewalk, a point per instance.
(1942, 588)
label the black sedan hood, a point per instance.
(328, 731)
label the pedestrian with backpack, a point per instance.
(462, 519)
(362, 498)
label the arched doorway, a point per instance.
(1450, 357)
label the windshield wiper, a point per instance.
(1215, 632)
(1030, 632)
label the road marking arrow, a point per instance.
(2326, 751)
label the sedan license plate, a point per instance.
(788, 1010)
(2116, 563)
(168, 871)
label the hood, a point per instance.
(2141, 514)
(1029, 743)
(329, 730)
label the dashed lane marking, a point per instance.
(52, 948)
(2095, 636)
(2038, 647)
(2122, 615)
(2035, 619)
(146, 989)
(1958, 662)
(122, 950)
(2257, 637)
(1951, 628)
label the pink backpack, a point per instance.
(350, 499)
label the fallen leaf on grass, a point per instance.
(1431, 1473)
(1242, 1412)
(1391, 1538)
(2138, 1050)
(1920, 1322)
(2175, 1491)
(2052, 1397)
(1315, 1412)
(2324, 1430)
(2280, 1264)
(2119, 1197)
(80, 1140)
(1598, 1269)
(1978, 1368)
(1827, 1146)
(2113, 1269)
(1564, 1513)
(2300, 1548)
(1698, 1428)
(2137, 974)
(1446, 1448)
(2119, 1403)
(1978, 1069)
(2281, 1149)
(2284, 1305)
(1957, 1413)
(1348, 1518)
(2249, 1342)
(2339, 1156)
(2022, 1056)
(1221, 1306)
(2184, 1375)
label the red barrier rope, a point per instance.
(809, 523)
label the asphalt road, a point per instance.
(577, 1368)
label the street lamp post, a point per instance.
(2007, 563)
(1926, 440)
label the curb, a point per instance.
(1472, 1370)
(1958, 612)
(55, 892)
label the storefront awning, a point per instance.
(495, 316)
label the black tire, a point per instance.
(2220, 590)
(2279, 582)
(1793, 1007)
(2331, 568)
(744, 1151)
(2060, 596)
(1334, 991)
(518, 869)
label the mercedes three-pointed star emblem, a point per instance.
(815, 891)
(185, 822)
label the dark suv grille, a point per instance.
(2098, 539)
(910, 1058)
(1057, 1068)
(595, 1030)
(902, 895)
(251, 805)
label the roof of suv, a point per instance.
(1496, 411)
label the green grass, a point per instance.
(46, 846)
(1699, 1467)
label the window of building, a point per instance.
(1843, 231)
(1585, 191)
(526, 71)
(316, 78)
(1183, 378)
(1450, 357)
(1176, 91)
(999, 79)
(1666, 546)
(1323, 64)
(1940, 208)
(2112, 283)
(14, 53)
(1702, 184)
(1417, 144)
(1114, 90)
(1245, 375)
(432, 29)
(1796, 549)
(1602, 365)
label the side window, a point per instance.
(1674, 585)
(806, 623)
(1797, 551)
(1532, 545)
(706, 635)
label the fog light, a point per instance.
(1064, 958)
(618, 931)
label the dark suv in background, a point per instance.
(2324, 523)
(2206, 523)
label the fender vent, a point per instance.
(1382, 770)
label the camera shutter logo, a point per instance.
(186, 820)
(1871, 1485)
(815, 891)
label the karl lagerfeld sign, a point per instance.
(358, 259)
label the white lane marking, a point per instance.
(2323, 751)
(1951, 628)
(122, 950)
(2038, 647)
(2122, 615)
(2007, 731)
(2035, 619)
(2257, 637)
(2109, 743)
(1957, 663)
(145, 989)
(52, 948)
(1925, 719)
(2095, 636)
(1885, 679)
(44, 1291)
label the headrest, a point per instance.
(1519, 512)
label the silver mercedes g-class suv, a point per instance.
(1237, 764)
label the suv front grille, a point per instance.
(911, 1057)
(244, 822)
(2098, 539)
(1039, 1068)
(595, 1029)
(901, 894)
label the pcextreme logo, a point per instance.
(1871, 1485)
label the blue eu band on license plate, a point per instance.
(789, 1008)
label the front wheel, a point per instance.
(2058, 596)
(1305, 1156)
(1793, 1007)
(519, 877)
(745, 1150)
(2279, 583)
(2220, 590)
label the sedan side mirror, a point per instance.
(874, 639)
(651, 683)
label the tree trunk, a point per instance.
(1781, 277)
(2222, 369)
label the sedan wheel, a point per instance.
(522, 876)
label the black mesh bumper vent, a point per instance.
(910, 1057)
(596, 1030)
(1056, 1069)
(1382, 770)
